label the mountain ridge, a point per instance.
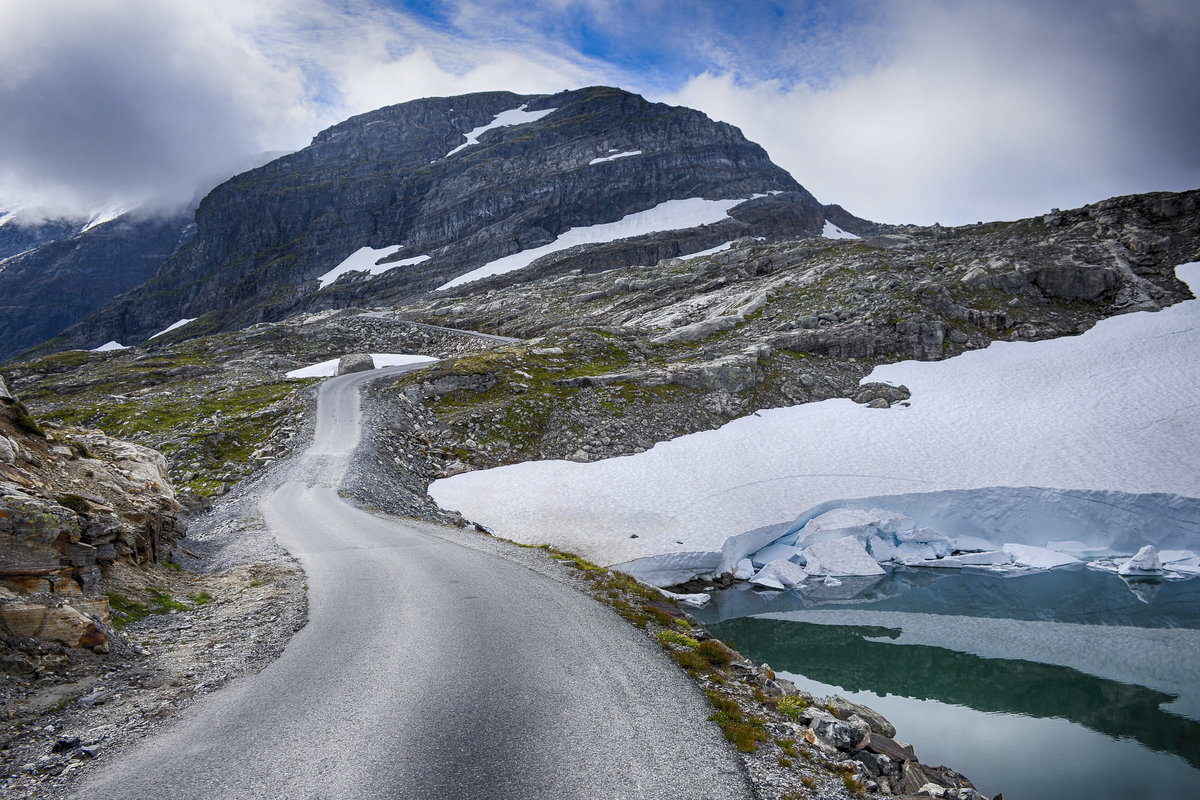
(400, 177)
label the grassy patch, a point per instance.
(163, 602)
(743, 732)
(125, 610)
(674, 637)
(791, 706)
(204, 598)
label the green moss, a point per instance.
(126, 611)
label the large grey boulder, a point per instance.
(355, 362)
(1076, 281)
(5, 395)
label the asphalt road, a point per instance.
(430, 670)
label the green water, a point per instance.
(1058, 684)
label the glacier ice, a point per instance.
(845, 556)
(1144, 562)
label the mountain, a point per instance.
(440, 187)
(68, 269)
(18, 235)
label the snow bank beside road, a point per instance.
(1111, 410)
(327, 369)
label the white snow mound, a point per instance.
(328, 369)
(173, 326)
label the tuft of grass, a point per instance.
(204, 598)
(791, 706)
(27, 423)
(715, 653)
(689, 660)
(744, 732)
(674, 637)
(784, 761)
(852, 785)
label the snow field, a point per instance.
(832, 231)
(1110, 411)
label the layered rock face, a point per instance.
(408, 177)
(59, 281)
(72, 501)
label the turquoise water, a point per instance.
(1058, 684)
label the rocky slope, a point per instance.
(72, 503)
(616, 361)
(408, 178)
(66, 273)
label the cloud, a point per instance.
(988, 110)
(133, 98)
(149, 101)
(912, 110)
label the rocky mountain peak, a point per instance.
(439, 187)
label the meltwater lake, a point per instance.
(1069, 683)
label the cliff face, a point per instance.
(72, 502)
(402, 177)
(71, 274)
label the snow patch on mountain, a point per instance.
(832, 231)
(710, 251)
(605, 159)
(106, 214)
(172, 326)
(671, 215)
(365, 259)
(505, 119)
(328, 369)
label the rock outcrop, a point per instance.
(72, 501)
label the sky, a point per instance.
(900, 110)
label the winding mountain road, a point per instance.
(429, 669)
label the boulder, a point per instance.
(355, 362)
(65, 624)
(5, 395)
(846, 708)
(881, 395)
(1076, 281)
